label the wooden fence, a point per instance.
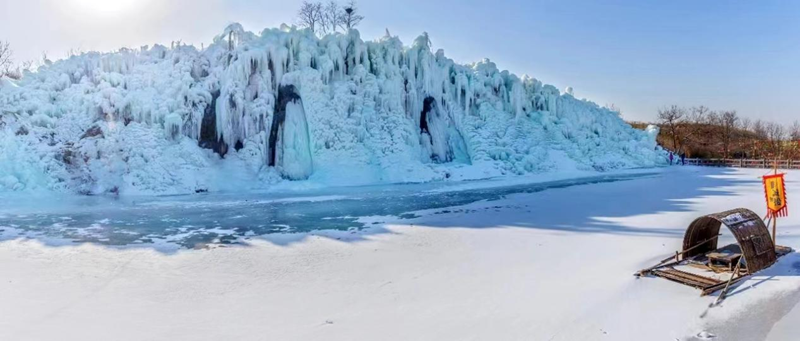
(743, 163)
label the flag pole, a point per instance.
(775, 218)
(774, 229)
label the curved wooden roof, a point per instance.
(747, 227)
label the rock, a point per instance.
(208, 129)
(66, 156)
(95, 130)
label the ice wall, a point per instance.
(289, 144)
(179, 119)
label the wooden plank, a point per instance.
(781, 250)
(680, 279)
(665, 261)
(714, 288)
(696, 277)
(687, 278)
(730, 281)
(706, 284)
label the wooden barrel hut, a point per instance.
(703, 265)
(746, 226)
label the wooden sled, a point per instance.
(704, 266)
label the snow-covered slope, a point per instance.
(256, 110)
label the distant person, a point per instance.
(671, 157)
(683, 158)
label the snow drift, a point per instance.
(254, 110)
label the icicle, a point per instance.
(173, 125)
(517, 99)
(289, 142)
(364, 104)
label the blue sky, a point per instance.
(640, 55)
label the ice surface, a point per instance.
(483, 270)
(295, 155)
(363, 103)
(188, 221)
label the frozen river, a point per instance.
(444, 261)
(199, 220)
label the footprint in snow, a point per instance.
(704, 335)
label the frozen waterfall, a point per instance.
(289, 144)
(183, 119)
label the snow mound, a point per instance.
(164, 120)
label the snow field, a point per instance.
(514, 269)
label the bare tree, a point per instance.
(75, 51)
(699, 114)
(351, 17)
(795, 134)
(745, 123)
(775, 138)
(700, 129)
(45, 60)
(5, 58)
(331, 17)
(743, 136)
(671, 118)
(729, 123)
(759, 131)
(793, 145)
(310, 15)
(27, 65)
(701, 132)
(612, 107)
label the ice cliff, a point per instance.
(259, 110)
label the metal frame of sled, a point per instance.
(754, 251)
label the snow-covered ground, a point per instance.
(548, 264)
